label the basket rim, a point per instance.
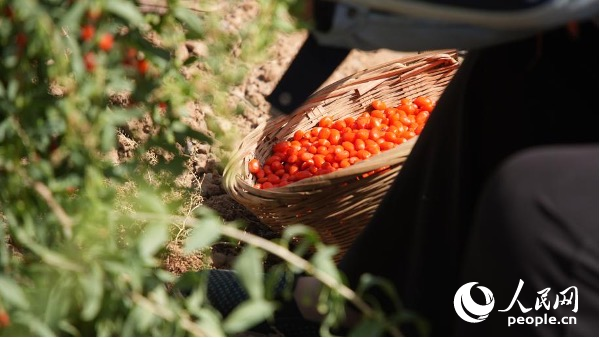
(234, 180)
(446, 55)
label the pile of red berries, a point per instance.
(333, 145)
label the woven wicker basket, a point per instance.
(337, 205)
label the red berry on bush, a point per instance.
(21, 40)
(162, 106)
(106, 42)
(4, 319)
(130, 57)
(142, 66)
(89, 59)
(8, 12)
(87, 32)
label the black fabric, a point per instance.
(323, 13)
(312, 65)
(225, 293)
(503, 99)
(537, 221)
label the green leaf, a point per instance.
(165, 276)
(174, 166)
(58, 302)
(247, 315)
(205, 232)
(11, 293)
(368, 281)
(52, 258)
(296, 230)
(198, 135)
(159, 52)
(189, 61)
(151, 203)
(93, 288)
(194, 302)
(192, 285)
(76, 58)
(108, 138)
(154, 237)
(210, 323)
(308, 237)
(72, 17)
(323, 260)
(127, 10)
(367, 328)
(143, 319)
(35, 325)
(120, 116)
(4, 255)
(279, 282)
(250, 270)
(178, 126)
(67, 327)
(160, 297)
(191, 20)
(139, 320)
(13, 89)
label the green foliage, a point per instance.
(80, 252)
(83, 258)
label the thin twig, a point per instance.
(63, 218)
(193, 206)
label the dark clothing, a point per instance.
(537, 220)
(541, 91)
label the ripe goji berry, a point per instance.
(4, 319)
(89, 59)
(106, 42)
(87, 32)
(142, 66)
(253, 166)
(326, 122)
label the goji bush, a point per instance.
(73, 260)
(78, 256)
